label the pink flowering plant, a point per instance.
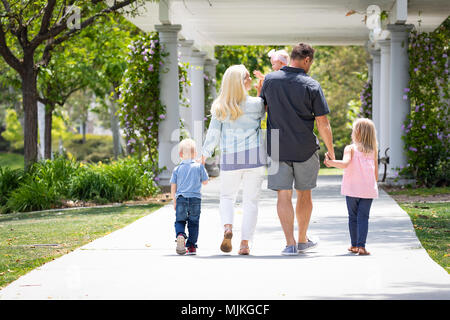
(365, 111)
(426, 133)
(184, 82)
(210, 83)
(141, 110)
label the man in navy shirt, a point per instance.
(294, 103)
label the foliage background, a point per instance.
(341, 71)
(426, 128)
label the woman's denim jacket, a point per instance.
(237, 135)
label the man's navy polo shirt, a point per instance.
(293, 101)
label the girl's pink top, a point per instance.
(359, 176)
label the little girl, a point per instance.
(359, 183)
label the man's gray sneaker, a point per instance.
(303, 247)
(290, 251)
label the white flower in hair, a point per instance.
(271, 52)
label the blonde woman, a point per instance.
(236, 125)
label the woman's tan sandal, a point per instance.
(363, 252)
(353, 249)
(244, 250)
(226, 243)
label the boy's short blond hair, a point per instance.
(188, 148)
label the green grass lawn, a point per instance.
(330, 172)
(432, 224)
(69, 229)
(431, 220)
(419, 191)
(12, 160)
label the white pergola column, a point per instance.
(398, 81)
(384, 128)
(41, 128)
(169, 127)
(375, 53)
(185, 49)
(197, 97)
(210, 69)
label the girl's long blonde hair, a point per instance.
(232, 94)
(364, 135)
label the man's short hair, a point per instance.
(301, 51)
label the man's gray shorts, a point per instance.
(303, 174)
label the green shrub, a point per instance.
(95, 148)
(134, 178)
(49, 181)
(9, 181)
(55, 173)
(13, 132)
(33, 195)
(90, 184)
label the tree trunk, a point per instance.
(83, 131)
(30, 128)
(48, 131)
(114, 127)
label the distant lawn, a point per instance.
(22, 233)
(418, 191)
(330, 172)
(12, 160)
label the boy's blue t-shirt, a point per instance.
(188, 176)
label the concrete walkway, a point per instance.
(139, 261)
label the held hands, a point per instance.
(328, 161)
(201, 160)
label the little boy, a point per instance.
(186, 182)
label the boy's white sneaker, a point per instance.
(181, 246)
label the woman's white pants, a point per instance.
(230, 181)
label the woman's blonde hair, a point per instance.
(232, 94)
(364, 135)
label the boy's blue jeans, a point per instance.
(188, 211)
(358, 219)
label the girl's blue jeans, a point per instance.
(358, 219)
(188, 212)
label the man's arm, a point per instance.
(323, 125)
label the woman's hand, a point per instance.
(258, 87)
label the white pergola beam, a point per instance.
(164, 11)
(399, 13)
